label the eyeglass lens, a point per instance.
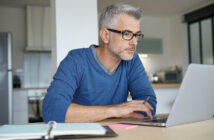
(128, 35)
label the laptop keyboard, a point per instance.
(163, 120)
(156, 119)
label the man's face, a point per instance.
(122, 48)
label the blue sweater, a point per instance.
(81, 79)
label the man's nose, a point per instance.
(134, 41)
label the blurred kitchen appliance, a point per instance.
(172, 75)
(169, 77)
(5, 78)
(16, 81)
(35, 100)
(154, 78)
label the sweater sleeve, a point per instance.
(139, 85)
(60, 93)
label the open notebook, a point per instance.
(34, 131)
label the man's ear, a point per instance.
(104, 35)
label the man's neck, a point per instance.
(107, 58)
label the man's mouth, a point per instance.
(131, 50)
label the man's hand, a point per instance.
(131, 109)
(82, 113)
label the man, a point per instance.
(92, 84)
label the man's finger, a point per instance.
(149, 114)
(137, 115)
(149, 106)
(140, 102)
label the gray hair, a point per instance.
(110, 14)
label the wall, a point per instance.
(13, 20)
(176, 40)
(169, 30)
(75, 25)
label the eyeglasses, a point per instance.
(128, 35)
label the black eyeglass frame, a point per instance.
(123, 32)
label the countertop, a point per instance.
(33, 88)
(165, 85)
(154, 85)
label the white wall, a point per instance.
(76, 26)
(13, 20)
(176, 40)
(169, 30)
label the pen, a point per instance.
(146, 100)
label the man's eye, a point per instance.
(127, 33)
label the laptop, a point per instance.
(194, 100)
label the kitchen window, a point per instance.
(201, 35)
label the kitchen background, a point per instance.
(39, 44)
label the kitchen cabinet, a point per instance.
(166, 94)
(165, 99)
(38, 28)
(20, 107)
(150, 46)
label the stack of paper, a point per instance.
(37, 130)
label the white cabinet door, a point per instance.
(165, 99)
(20, 106)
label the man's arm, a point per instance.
(139, 85)
(81, 113)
